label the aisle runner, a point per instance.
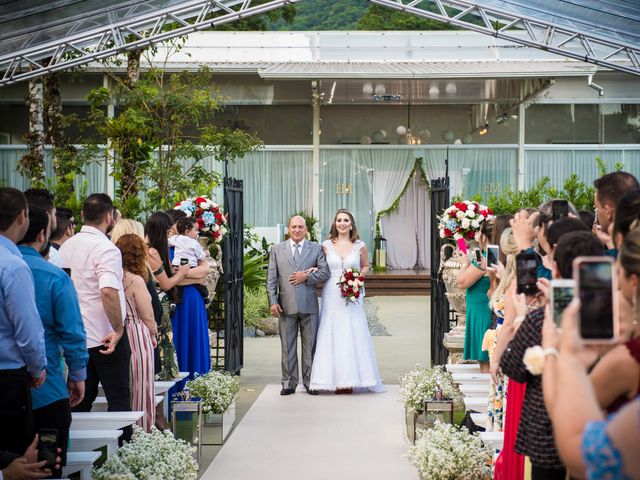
(340, 437)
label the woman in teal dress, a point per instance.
(473, 278)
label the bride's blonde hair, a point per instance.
(509, 247)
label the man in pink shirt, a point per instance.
(96, 271)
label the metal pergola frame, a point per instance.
(135, 32)
(193, 15)
(539, 33)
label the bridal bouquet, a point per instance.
(351, 285)
(210, 216)
(463, 219)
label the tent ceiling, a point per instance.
(50, 35)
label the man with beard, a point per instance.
(96, 271)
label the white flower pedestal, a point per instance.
(218, 426)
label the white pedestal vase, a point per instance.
(218, 426)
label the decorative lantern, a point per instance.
(380, 254)
(186, 417)
(437, 411)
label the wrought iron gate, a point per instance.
(440, 310)
(233, 284)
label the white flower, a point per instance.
(457, 236)
(465, 223)
(475, 224)
(442, 235)
(460, 214)
(421, 383)
(470, 207)
(342, 279)
(533, 360)
(215, 389)
(204, 205)
(355, 288)
(350, 282)
(470, 213)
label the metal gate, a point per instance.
(440, 310)
(233, 255)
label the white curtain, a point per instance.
(407, 229)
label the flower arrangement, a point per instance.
(446, 452)
(217, 390)
(351, 285)
(422, 383)
(209, 215)
(463, 220)
(150, 455)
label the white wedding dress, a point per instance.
(344, 355)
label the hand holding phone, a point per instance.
(596, 287)
(493, 255)
(48, 447)
(526, 272)
(477, 256)
(561, 294)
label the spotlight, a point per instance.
(483, 129)
(502, 118)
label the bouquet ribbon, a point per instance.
(462, 245)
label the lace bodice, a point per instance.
(336, 263)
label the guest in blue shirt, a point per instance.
(59, 309)
(22, 351)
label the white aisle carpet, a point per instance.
(328, 436)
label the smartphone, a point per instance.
(559, 209)
(526, 272)
(597, 287)
(48, 447)
(184, 261)
(477, 255)
(561, 293)
(493, 255)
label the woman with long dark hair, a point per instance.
(344, 358)
(189, 322)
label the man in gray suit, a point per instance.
(295, 267)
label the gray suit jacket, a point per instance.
(295, 298)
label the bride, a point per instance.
(344, 358)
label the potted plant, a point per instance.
(446, 452)
(420, 385)
(150, 455)
(217, 393)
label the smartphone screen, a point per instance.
(493, 255)
(596, 300)
(562, 297)
(478, 255)
(526, 270)
(47, 447)
(559, 209)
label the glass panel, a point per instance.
(621, 123)
(564, 123)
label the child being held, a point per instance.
(187, 250)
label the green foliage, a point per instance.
(256, 305)
(255, 270)
(281, 16)
(510, 201)
(312, 224)
(317, 15)
(381, 18)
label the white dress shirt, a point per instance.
(293, 246)
(95, 263)
(186, 247)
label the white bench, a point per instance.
(474, 389)
(471, 378)
(480, 419)
(86, 440)
(80, 462)
(494, 440)
(103, 420)
(476, 404)
(100, 403)
(165, 405)
(462, 367)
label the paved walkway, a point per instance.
(342, 437)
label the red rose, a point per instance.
(200, 224)
(461, 206)
(470, 235)
(489, 211)
(357, 294)
(447, 232)
(178, 204)
(199, 200)
(199, 212)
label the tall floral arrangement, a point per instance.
(445, 452)
(422, 383)
(217, 390)
(463, 220)
(150, 455)
(209, 215)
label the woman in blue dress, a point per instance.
(189, 322)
